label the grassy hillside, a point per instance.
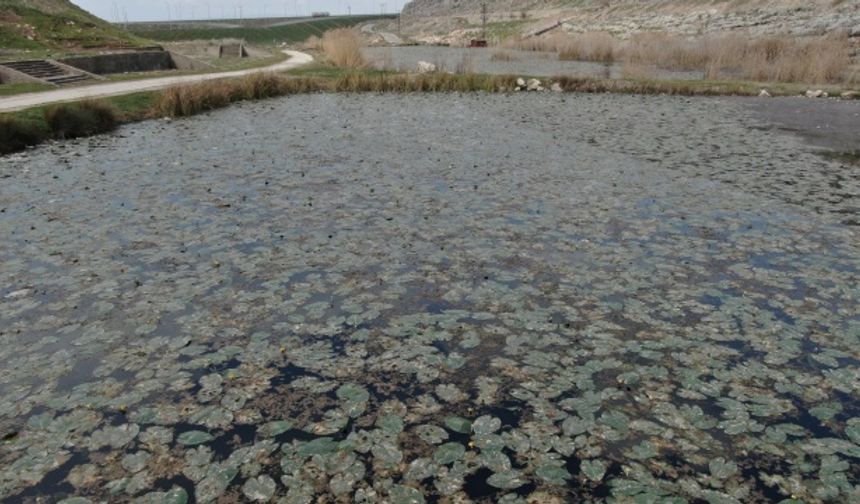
(294, 32)
(56, 25)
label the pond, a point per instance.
(432, 298)
(500, 61)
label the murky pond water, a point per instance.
(432, 298)
(513, 62)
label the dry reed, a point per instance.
(342, 47)
(814, 60)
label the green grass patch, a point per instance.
(289, 33)
(33, 126)
(57, 25)
(15, 89)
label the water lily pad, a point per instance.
(401, 494)
(387, 453)
(555, 475)
(319, 446)
(721, 469)
(486, 425)
(507, 480)
(593, 469)
(431, 434)
(448, 453)
(495, 461)
(275, 428)
(135, 462)
(259, 489)
(353, 398)
(421, 469)
(193, 438)
(176, 495)
(458, 424)
(215, 483)
(391, 425)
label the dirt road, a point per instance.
(24, 101)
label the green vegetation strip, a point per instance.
(30, 127)
(36, 125)
(55, 24)
(291, 33)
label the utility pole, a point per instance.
(484, 21)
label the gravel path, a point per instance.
(24, 101)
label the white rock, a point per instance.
(426, 67)
(533, 85)
(556, 87)
(816, 94)
(18, 293)
(521, 82)
(764, 94)
(850, 95)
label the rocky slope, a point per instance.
(55, 25)
(624, 17)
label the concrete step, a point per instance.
(47, 71)
(68, 79)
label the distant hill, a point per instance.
(57, 25)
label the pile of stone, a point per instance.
(536, 85)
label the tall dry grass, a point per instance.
(597, 46)
(428, 83)
(182, 101)
(813, 60)
(342, 47)
(503, 56)
(666, 51)
(825, 59)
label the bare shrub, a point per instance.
(15, 135)
(342, 47)
(80, 119)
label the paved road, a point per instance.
(390, 38)
(24, 101)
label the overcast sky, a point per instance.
(137, 10)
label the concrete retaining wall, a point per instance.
(182, 62)
(142, 61)
(232, 51)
